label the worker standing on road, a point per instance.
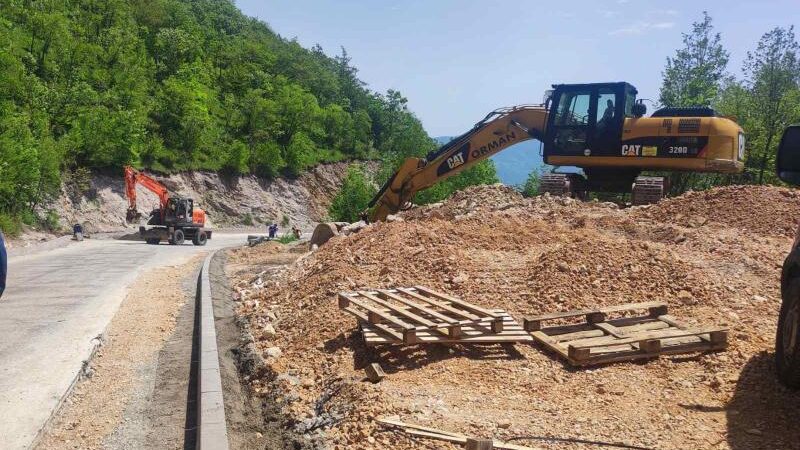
(3, 264)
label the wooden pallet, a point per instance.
(421, 315)
(598, 339)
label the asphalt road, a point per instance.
(56, 304)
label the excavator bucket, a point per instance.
(132, 215)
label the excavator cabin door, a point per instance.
(587, 119)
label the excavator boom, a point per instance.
(134, 177)
(497, 131)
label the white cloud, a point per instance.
(641, 27)
(662, 12)
(608, 14)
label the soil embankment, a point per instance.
(713, 256)
(229, 202)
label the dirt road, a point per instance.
(56, 306)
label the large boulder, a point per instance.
(323, 232)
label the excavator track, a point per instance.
(562, 184)
(648, 190)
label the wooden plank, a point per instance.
(421, 308)
(433, 433)
(403, 312)
(470, 334)
(566, 337)
(375, 372)
(498, 445)
(397, 423)
(383, 328)
(643, 326)
(457, 301)
(610, 329)
(658, 334)
(549, 343)
(583, 312)
(374, 313)
(479, 444)
(440, 305)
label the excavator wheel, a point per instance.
(153, 241)
(648, 190)
(563, 184)
(177, 238)
(200, 238)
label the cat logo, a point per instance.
(631, 150)
(455, 160)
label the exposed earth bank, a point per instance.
(99, 201)
(713, 256)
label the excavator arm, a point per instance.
(134, 177)
(499, 130)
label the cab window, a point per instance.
(606, 110)
(573, 109)
(630, 99)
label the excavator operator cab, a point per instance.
(179, 210)
(587, 119)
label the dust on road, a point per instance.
(118, 406)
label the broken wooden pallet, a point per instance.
(422, 315)
(600, 339)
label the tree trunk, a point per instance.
(764, 159)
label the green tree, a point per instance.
(772, 72)
(694, 75)
(353, 197)
(531, 186)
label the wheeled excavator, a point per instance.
(175, 220)
(598, 127)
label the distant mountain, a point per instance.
(515, 163)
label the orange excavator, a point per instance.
(175, 220)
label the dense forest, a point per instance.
(173, 85)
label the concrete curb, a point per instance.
(212, 430)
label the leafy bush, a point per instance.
(482, 173)
(353, 197)
(10, 225)
(531, 186)
(51, 221)
(286, 238)
(247, 219)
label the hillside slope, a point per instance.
(242, 200)
(175, 85)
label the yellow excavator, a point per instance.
(598, 127)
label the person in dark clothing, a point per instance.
(3, 264)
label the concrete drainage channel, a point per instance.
(212, 433)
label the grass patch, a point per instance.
(10, 225)
(248, 220)
(286, 238)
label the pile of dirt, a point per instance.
(469, 201)
(767, 210)
(532, 256)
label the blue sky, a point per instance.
(457, 60)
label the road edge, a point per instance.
(212, 430)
